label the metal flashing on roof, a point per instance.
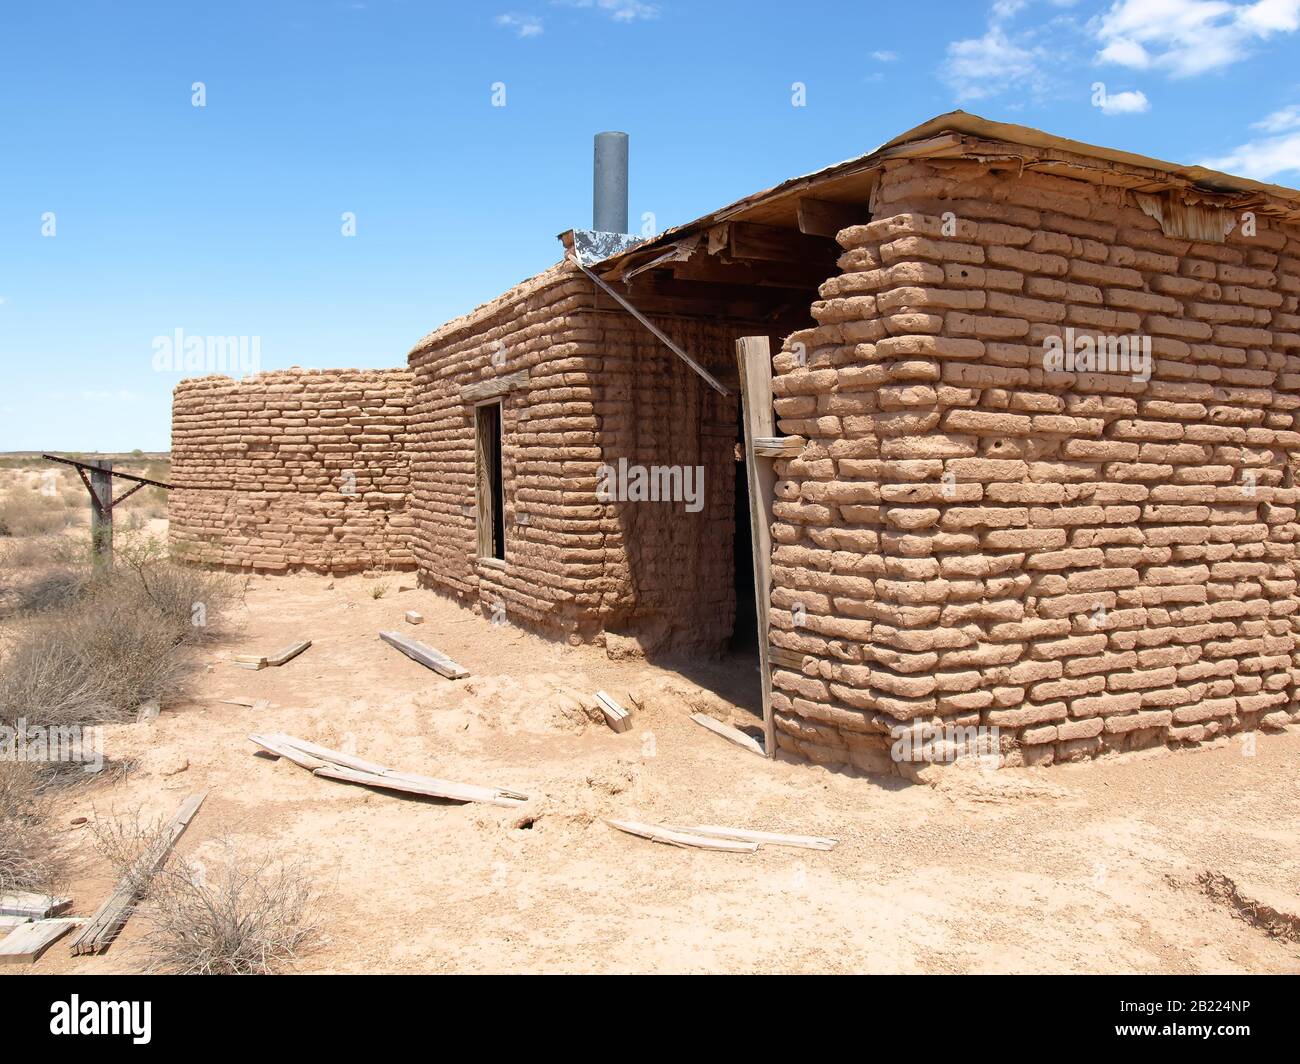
(592, 247)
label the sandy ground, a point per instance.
(1088, 868)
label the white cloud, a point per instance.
(618, 10)
(1188, 37)
(520, 25)
(1125, 103)
(1262, 159)
(884, 57)
(985, 66)
(1277, 122)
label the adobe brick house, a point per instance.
(987, 511)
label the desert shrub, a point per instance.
(51, 590)
(24, 512)
(27, 852)
(244, 914)
(121, 640)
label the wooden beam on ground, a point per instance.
(732, 735)
(754, 362)
(496, 386)
(826, 218)
(32, 906)
(616, 716)
(421, 785)
(275, 744)
(331, 764)
(749, 240)
(762, 838)
(425, 655)
(103, 927)
(779, 446)
(26, 943)
(681, 838)
(260, 661)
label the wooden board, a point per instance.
(8, 923)
(32, 906)
(754, 361)
(680, 838)
(422, 785)
(257, 661)
(425, 655)
(779, 446)
(103, 927)
(288, 653)
(331, 757)
(331, 764)
(26, 943)
(768, 838)
(274, 744)
(732, 735)
(490, 389)
(787, 659)
(616, 716)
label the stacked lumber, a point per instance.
(103, 927)
(331, 764)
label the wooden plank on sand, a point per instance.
(425, 655)
(732, 735)
(671, 837)
(262, 661)
(109, 917)
(331, 764)
(616, 716)
(763, 838)
(26, 943)
(422, 785)
(32, 906)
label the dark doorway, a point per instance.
(491, 490)
(744, 634)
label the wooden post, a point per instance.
(754, 360)
(101, 513)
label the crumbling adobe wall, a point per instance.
(296, 469)
(599, 388)
(1084, 562)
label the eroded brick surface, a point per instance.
(1086, 562)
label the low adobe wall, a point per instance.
(296, 469)
(1084, 562)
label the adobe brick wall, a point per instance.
(600, 388)
(296, 469)
(1097, 572)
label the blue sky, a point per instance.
(226, 219)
